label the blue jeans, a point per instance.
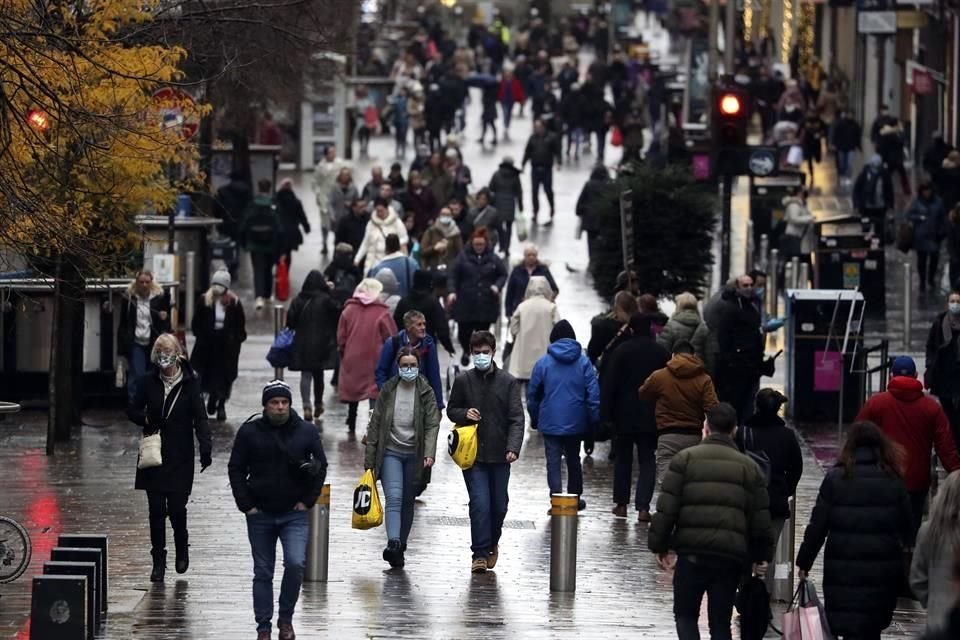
(139, 363)
(507, 108)
(487, 487)
(263, 530)
(555, 448)
(398, 475)
(843, 163)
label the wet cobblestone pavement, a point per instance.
(88, 487)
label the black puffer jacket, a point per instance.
(177, 418)
(470, 278)
(266, 477)
(865, 521)
(314, 315)
(771, 435)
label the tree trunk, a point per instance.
(66, 353)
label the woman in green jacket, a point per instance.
(401, 446)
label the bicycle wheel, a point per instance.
(15, 550)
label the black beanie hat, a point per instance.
(562, 330)
(276, 389)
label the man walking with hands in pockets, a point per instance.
(490, 398)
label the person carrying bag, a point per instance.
(806, 619)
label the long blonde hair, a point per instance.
(944, 523)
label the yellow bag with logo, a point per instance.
(367, 511)
(462, 445)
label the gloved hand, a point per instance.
(773, 324)
(205, 461)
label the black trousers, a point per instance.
(466, 329)
(694, 577)
(646, 446)
(165, 504)
(927, 263)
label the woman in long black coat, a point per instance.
(219, 328)
(476, 280)
(863, 513)
(313, 315)
(168, 400)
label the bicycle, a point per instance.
(15, 546)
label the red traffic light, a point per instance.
(38, 120)
(730, 104)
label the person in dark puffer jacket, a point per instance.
(863, 513)
(713, 511)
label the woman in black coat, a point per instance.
(766, 432)
(476, 279)
(219, 328)
(313, 315)
(942, 376)
(863, 513)
(292, 218)
(168, 401)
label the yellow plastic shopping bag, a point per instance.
(367, 511)
(462, 445)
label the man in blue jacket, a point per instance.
(414, 334)
(563, 398)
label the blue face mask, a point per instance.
(482, 361)
(409, 374)
(954, 308)
(759, 291)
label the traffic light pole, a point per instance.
(727, 202)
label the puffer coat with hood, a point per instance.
(918, 424)
(683, 391)
(530, 326)
(563, 396)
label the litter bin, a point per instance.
(766, 205)
(824, 337)
(849, 255)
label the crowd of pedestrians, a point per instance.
(420, 250)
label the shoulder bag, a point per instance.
(150, 446)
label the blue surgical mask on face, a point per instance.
(409, 374)
(759, 291)
(954, 308)
(482, 361)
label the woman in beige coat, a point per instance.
(530, 326)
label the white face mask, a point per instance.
(954, 308)
(218, 290)
(444, 220)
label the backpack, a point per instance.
(760, 457)
(260, 231)
(873, 194)
(345, 280)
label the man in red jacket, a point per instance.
(918, 424)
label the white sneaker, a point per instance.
(259, 303)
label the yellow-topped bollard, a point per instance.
(318, 541)
(563, 542)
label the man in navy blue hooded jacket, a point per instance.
(563, 398)
(414, 334)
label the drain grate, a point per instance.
(451, 521)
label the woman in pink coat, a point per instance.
(365, 325)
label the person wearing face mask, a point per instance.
(277, 469)
(737, 323)
(413, 335)
(219, 329)
(383, 222)
(441, 243)
(144, 315)
(168, 401)
(490, 398)
(942, 377)
(402, 445)
(475, 282)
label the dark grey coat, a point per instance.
(496, 395)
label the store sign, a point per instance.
(922, 82)
(877, 22)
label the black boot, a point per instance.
(394, 554)
(182, 562)
(159, 565)
(221, 410)
(352, 416)
(211, 405)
